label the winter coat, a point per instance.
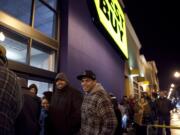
(27, 122)
(11, 100)
(163, 106)
(43, 121)
(142, 113)
(64, 112)
(97, 116)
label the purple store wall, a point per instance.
(84, 47)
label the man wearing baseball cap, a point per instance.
(10, 96)
(97, 114)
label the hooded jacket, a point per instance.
(64, 111)
(97, 113)
(27, 122)
(164, 106)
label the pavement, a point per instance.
(175, 121)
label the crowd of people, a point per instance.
(147, 110)
(67, 111)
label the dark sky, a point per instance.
(157, 25)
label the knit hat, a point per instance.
(61, 76)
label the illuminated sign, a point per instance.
(110, 16)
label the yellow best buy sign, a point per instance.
(111, 17)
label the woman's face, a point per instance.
(45, 104)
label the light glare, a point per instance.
(172, 85)
(177, 74)
(2, 37)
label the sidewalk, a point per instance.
(175, 121)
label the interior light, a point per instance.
(2, 37)
(134, 72)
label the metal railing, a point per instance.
(161, 126)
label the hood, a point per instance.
(61, 76)
(97, 87)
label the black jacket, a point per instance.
(65, 112)
(164, 106)
(27, 122)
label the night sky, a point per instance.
(157, 25)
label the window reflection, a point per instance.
(52, 3)
(20, 9)
(15, 44)
(44, 19)
(42, 57)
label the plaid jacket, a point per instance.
(10, 100)
(97, 114)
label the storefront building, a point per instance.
(46, 37)
(84, 46)
(149, 82)
(140, 75)
(29, 32)
(132, 69)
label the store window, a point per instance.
(51, 3)
(15, 44)
(45, 19)
(42, 86)
(20, 9)
(24, 44)
(42, 57)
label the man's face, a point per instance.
(33, 91)
(87, 84)
(60, 84)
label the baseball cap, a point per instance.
(88, 74)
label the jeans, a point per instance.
(162, 120)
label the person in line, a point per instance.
(125, 109)
(65, 108)
(11, 99)
(33, 89)
(97, 113)
(131, 102)
(119, 130)
(142, 116)
(45, 102)
(164, 106)
(27, 122)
